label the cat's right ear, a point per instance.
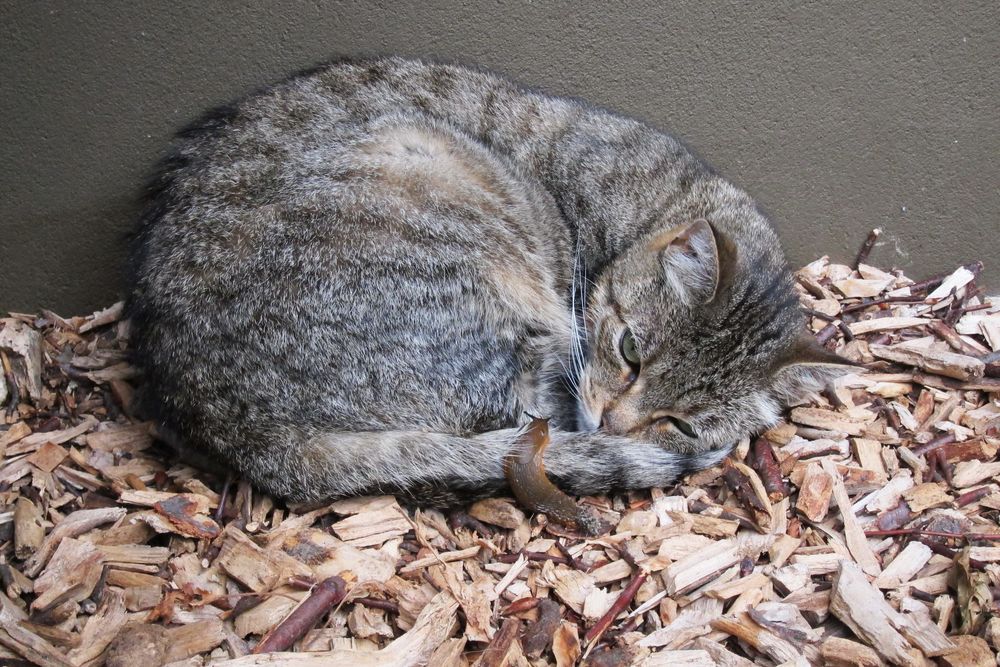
(689, 256)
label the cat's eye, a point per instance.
(683, 426)
(629, 352)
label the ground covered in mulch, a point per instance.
(862, 530)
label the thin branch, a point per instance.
(618, 607)
(866, 247)
(324, 597)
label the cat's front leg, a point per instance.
(592, 462)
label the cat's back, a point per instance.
(299, 241)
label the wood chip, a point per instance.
(118, 548)
(949, 364)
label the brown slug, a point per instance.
(524, 468)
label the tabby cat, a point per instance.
(367, 278)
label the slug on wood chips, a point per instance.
(524, 468)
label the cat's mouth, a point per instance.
(586, 419)
(588, 409)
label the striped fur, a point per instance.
(363, 278)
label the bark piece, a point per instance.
(48, 457)
(256, 568)
(904, 566)
(100, 630)
(373, 527)
(970, 651)
(693, 621)
(697, 568)
(263, 617)
(566, 645)
(447, 557)
(183, 513)
(497, 512)
(71, 574)
(949, 364)
(857, 543)
(744, 482)
(764, 461)
(886, 324)
(23, 642)
(569, 585)
(23, 343)
(926, 496)
(434, 624)
(839, 652)
(537, 635)
(73, 525)
(863, 609)
(815, 493)
(746, 629)
(133, 438)
(681, 658)
(828, 420)
(719, 654)
(28, 529)
(496, 652)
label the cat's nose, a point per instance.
(620, 417)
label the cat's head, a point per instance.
(696, 342)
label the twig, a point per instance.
(942, 460)
(699, 506)
(618, 607)
(460, 519)
(824, 335)
(890, 415)
(895, 518)
(327, 593)
(866, 247)
(631, 625)
(376, 603)
(8, 376)
(878, 302)
(743, 489)
(985, 537)
(948, 552)
(534, 555)
(970, 497)
(520, 605)
(950, 336)
(822, 316)
(931, 445)
(763, 460)
(846, 330)
(575, 562)
(496, 653)
(972, 309)
(222, 497)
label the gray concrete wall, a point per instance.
(837, 116)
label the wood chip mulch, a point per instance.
(862, 530)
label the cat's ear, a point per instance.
(689, 256)
(808, 368)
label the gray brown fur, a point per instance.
(362, 280)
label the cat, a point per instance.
(367, 278)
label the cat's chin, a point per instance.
(585, 420)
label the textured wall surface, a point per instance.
(837, 116)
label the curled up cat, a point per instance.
(369, 277)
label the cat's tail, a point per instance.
(440, 468)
